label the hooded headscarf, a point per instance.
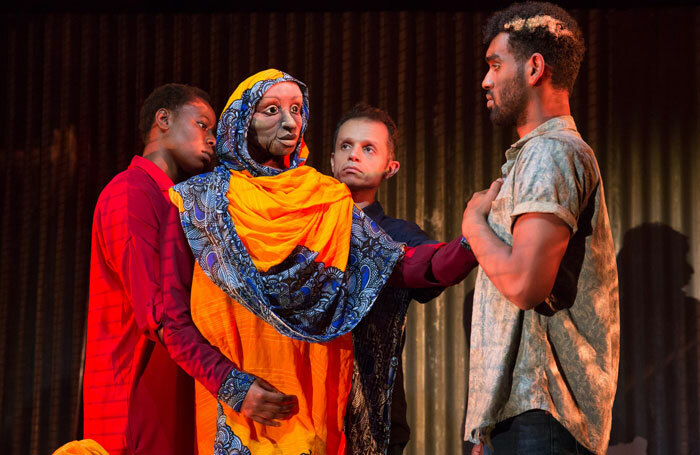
(287, 244)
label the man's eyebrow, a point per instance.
(492, 57)
(364, 140)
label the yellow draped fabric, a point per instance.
(301, 206)
(273, 215)
(82, 447)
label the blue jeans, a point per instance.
(533, 433)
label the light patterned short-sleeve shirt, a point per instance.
(562, 356)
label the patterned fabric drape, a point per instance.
(72, 85)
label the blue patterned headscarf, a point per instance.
(300, 297)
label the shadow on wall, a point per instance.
(656, 407)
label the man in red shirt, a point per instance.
(142, 346)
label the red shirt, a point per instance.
(137, 399)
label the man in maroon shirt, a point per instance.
(138, 399)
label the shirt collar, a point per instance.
(563, 122)
(374, 210)
(156, 173)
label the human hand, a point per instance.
(264, 404)
(479, 206)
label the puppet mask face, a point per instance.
(276, 124)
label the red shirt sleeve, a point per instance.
(156, 266)
(186, 345)
(436, 265)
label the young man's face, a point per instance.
(276, 124)
(361, 158)
(191, 137)
(506, 90)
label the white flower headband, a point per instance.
(554, 26)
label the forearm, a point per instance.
(525, 271)
(205, 363)
(186, 345)
(507, 271)
(452, 263)
(437, 265)
(193, 353)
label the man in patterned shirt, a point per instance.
(363, 157)
(545, 326)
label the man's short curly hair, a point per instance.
(365, 111)
(170, 97)
(545, 28)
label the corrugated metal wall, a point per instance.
(71, 88)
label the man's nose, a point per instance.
(487, 83)
(211, 139)
(354, 154)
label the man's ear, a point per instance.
(535, 70)
(333, 164)
(162, 119)
(392, 167)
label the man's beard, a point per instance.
(510, 110)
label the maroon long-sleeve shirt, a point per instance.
(137, 399)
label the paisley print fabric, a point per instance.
(377, 342)
(226, 442)
(233, 390)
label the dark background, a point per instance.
(72, 81)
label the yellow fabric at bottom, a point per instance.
(319, 374)
(82, 447)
